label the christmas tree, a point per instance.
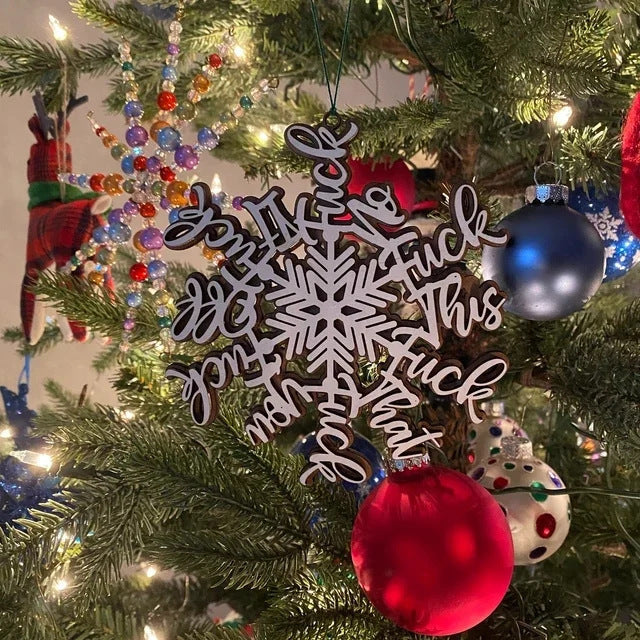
(173, 500)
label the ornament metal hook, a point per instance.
(557, 169)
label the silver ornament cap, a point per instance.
(516, 448)
(555, 193)
(393, 465)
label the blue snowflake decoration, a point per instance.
(621, 247)
(22, 487)
(19, 416)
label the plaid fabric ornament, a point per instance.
(57, 227)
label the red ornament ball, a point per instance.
(432, 552)
(95, 182)
(138, 272)
(147, 210)
(167, 174)
(140, 163)
(167, 101)
(215, 61)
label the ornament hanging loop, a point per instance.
(332, 119)
(548, 192)
(333, 93)
(558, 171)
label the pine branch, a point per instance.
(49, 339)
(326, 611)
(220, 633)
(122, 19)
(591, 155)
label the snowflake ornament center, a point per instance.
(328, 305)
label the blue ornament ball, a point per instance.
(207, 138)
(169, 73)
(134, 299)
(115, 216)
(168, 139)
(119, 232)
(126, 164)
(621, 247)
(133, 109)
(156, 269)
(100, 235)
(552, 263)
(364, 447)
(174, 214)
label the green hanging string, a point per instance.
(333, 93)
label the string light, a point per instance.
(562, 116)
(6, 432)
(239, 52)
(263, 136)
(34, 458)
(127, 414)
(150, 571)
(59, 31)
(64, 537)
(216, 184)
(149, 633)
(60, 585)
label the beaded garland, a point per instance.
(151, 180)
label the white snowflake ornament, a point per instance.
(329, 307)
(539, 522)
(606, 223)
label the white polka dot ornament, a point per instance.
(539, 522)
(484, 439)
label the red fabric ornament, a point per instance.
(56, 229)
(432, 550)
(398, 174)
(630, 172)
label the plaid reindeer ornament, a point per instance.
(58, 223)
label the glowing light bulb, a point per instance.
(562, 116)
(216, 184)
(263, 136)
(149, 633)
(64, 537)
(127, 414)
(150, 571)
(59, 31)
(239, 52)
(34, 458)
(6, 432)
(60, 585)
